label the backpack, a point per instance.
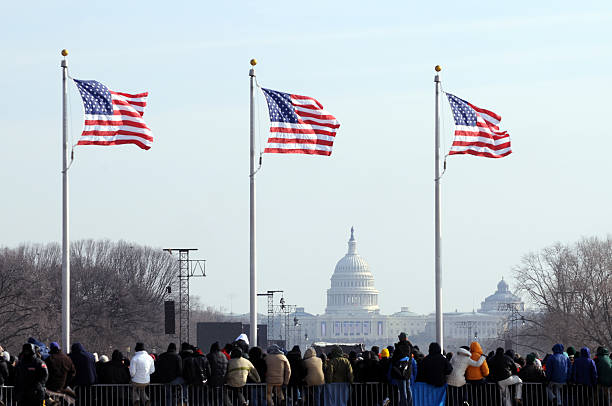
(405, 367)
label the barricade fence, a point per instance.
(358, 394)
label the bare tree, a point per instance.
(571, 289)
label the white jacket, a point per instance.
(141, 367)
(460, 361)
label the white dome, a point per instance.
(352, 284)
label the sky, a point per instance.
(547, 70)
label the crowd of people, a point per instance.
(293, 377)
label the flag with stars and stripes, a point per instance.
(299, 125)
(477, 131)
(113, 118)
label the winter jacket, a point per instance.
(61, 370)
(114, 372)
(314, 368)
(338, 368)
(278, 370)
(4, 372)
(435, 367)
(218, 368)
(557, 365)
(298, 371)
(384, 364)
(237, 371)
(460, 362)
(532, 373)
(169, 366)
(257, 359)
(501, 367)
(30, 379)
(141, 367)
(604, 367)
(583, 370)
(196, 370)
(476, 373)
(367, 370)
(84, 364)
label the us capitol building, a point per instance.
(352, 313)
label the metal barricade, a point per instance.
(358, 394)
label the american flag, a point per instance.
(477, 131)
(113, 118)
(299, 125)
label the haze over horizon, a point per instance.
(546, 71)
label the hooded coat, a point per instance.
(338, 368)
(218, 365)
(460, 363)
(557, 365)
(501, 366)
(30, 377)
(298, 371)
(435, 367)
(84, 364)
(368, 369)
(604, 367)
(169, 365)
(583, 370)
(238, 369)
(278, 370)
(473, 373)
(314, 368)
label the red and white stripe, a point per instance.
(485, 139)
(124, 126)
(314, 134)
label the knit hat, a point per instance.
(54, 346)
(571, 351)
(384, 353)
(139, 347)
(531, 358)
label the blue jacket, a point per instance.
(558, 365)
(583, 370)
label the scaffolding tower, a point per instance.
(188, 268)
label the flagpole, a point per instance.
(253, 270)
(438, 225)
(65, 236)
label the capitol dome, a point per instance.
(352, 284)
(502, 300)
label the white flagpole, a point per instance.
(438, 225)
(253, 270)
(65, 236)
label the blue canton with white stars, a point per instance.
(462, 112)
(280, 107)
(96, 97)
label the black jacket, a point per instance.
(169, 366)
(31, 376)
(196, 370)
(298, 370)
(434, 367)
(218, 367)
(501, 367)
(367, 370)
(531, 373)
(115, 371)
(4, 373)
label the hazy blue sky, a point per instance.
(545, 68)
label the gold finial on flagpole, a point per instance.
(64, 52)
(253, 62)
(438, 68)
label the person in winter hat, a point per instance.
(504, 371)
(30, 379)
(141, 368)
(532, 372)
(278, 373)
(61, 369)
